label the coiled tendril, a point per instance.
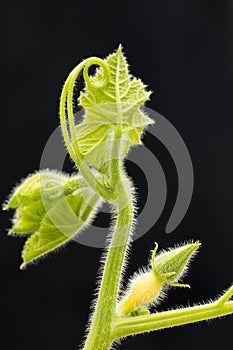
(67, 118)
(66, 101)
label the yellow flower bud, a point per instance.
(144, 289)
(167, 268)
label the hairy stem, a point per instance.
(141, 324)
(100, 334)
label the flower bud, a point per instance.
(143, 289)
(171, 265)
(167, 268)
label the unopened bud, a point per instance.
(171, 265)
(143, 289)
(167, 268)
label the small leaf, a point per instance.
(53, 207)
(58, 226)
(116, 102)
(50, 183)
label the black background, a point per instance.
(183, 51)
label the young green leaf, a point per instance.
(114, 106)
(53, 207)
(122, 87)
(50, 184)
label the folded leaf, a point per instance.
(54, 207)
(28, 218)
(50, 183)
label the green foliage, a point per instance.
(114, 105)
(52, 207)
(122, 87)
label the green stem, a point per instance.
(100, 334)
(106, 325)
(141, 324)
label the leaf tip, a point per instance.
(22, 266)
(6, 205)
(120, 47)
(10, 232)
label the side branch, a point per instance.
(135, 325)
